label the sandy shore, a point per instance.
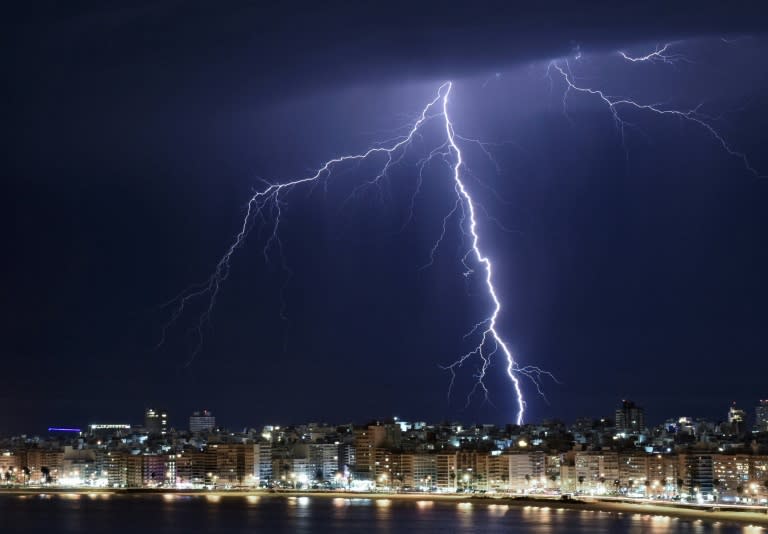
(757, 517)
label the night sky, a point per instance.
(135, 135)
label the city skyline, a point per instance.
(684, 459)
(625, 416)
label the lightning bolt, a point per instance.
(266, 205)
(693, 116)
(490, 341)
(659, 55)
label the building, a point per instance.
(736, 419)
(203, 421)
(323, 460)
(472, 470)
(291, 472)
(134, 471)
(79, 466)
(125, 470)
(759, 470)
(156, 422)
(498, 472)
(424, 470)
(109, 429)
(633, 472)
(195, 468)
(10, 466)
(117, 469)
(154, 470)
(234, 464)
(262, 463)
(731, 473)
(761, 416)
(44, 464)
(569, 480)
(526, 471)
(597, 471)
(398, 470)
(366, 440)
(552, 468)
(446, 472)
(697, 473)
(663, 472)
(347, 457)
(630, 418)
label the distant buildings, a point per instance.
(736, 419)
(367, 439)
(630, 418)
(105, 429)
(156, 422)
(202, 422)
(761, 416)
(684, 458)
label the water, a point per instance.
(166, 514)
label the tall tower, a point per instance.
(156, 422)
(761, 416)
(736, 418)
(203, 421)
(630, 418)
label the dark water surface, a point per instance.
(147, 514)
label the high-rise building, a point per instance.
(526, 470)
(156, 422)
(596, 468)
(446, 471)
(234, 463)
(425, 470)
(324, 460)
(731, 471)
(633, 470)
(630, 418)
(736, 419)
(203, 421)
(106, 429)
(697, 472)
(365, 441)
(761, 416)
(347, 457)
(262, 462)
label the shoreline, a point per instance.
(755, 517)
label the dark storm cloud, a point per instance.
(294, 46)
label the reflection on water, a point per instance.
(498, 510)
(383, 512)
(168, 513)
